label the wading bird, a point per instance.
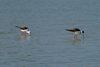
(77, 32)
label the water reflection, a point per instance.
(24, 37)
(74, 41)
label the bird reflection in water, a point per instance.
(24, 37)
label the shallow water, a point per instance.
(49, 44)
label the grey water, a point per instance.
(49, 44)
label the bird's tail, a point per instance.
(68, 30)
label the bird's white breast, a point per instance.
(25, 31)
(77, 33)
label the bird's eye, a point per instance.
(82, 31)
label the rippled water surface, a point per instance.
(49, 44)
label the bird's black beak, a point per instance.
(17, 26)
